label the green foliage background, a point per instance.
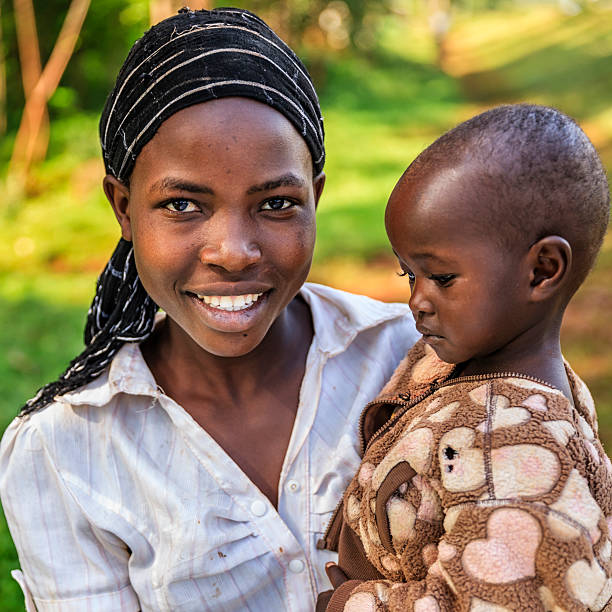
(384, 99)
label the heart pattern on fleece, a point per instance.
(509, 507)
(509, 552)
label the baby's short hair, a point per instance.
(537, 171)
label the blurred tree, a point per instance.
(27, 142)
(439, 16)
(31, 69)
(2, 80)
(160, 9)
(334, 24)
(313, 27)
(110, 28)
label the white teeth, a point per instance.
(230, 303)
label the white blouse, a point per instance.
(117, 500)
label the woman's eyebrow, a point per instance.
(170, 183)
(286, 180)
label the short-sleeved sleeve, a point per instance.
(68, 562)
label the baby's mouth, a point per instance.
(230, 303)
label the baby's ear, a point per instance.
(118, 195)
(550, 261)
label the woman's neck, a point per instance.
(178, 363)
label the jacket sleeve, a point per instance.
(67, 562)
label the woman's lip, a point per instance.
(230, 320)
(229, 301)
(240, 288)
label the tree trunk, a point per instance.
(2, 81)
(31, 69)
(439, 24)
(36, 104)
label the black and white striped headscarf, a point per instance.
(197, 56)
(192, 57)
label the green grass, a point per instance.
(380, 110)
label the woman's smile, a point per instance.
(230, 313)
(230, 303)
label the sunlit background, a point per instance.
(392, 76)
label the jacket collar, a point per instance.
(421, 370)
(415, 374)
(413, 377)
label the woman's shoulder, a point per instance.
(342, 319)
(347, 300)
(50, 429)
(30, 445)
(86, 414)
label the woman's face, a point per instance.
(221, 212)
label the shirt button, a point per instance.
(258, 508)
(296, 566)
(293, 486)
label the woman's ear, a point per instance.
(319, 183)
(550, 262)
(118, 195)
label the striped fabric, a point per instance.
(197, 56)
(141, 509)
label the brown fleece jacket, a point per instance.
(482, 493)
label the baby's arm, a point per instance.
(68, 563)
(500, 559)
(521, 527)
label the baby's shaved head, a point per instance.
(532, 173)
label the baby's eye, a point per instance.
(181, 206)
(277, 204)
(442, 279)
(409, 274)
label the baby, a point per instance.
(483, 485)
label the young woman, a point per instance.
(191, 461)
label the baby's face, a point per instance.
(468, 294)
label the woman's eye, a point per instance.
(442, 279)
(277, 204)
(181, 206)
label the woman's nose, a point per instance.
(230, 243)
(419, 302)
